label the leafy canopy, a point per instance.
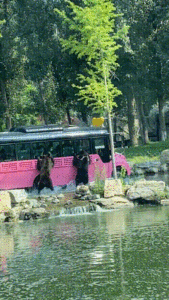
(93, 37)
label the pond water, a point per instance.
(121, 254)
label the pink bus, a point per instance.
(19, 150)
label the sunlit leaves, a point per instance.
(94, 37)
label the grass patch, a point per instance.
(144, 153)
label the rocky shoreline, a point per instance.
(152, 167)
(17, 205)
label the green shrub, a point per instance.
(100, 176)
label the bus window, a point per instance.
(68, 148)
(7, 152)
(101, 148)
(54, 147)
(82, 145)
(23, 151)
(2, 153)
(38, 149)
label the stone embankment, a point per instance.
(16, 205)
(152, 167)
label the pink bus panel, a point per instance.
(21, 174)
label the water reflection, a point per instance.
(121, 254)
(6, 249)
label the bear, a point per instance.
(44, 165)
(81, 162)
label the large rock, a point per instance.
(165, 202)
(18, 196)
(2, 217)
(5, 201)
(83, 193)
(82, 189)
(164, 157)
(152, 184)
(112, 187)
(34, 213)
(33, 203)
(25, 214)
(113, 202)
(149, 167)
(146, 192)
(13, 214)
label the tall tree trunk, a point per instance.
(163, 131)
(3, 79)
(68, 116)
(43, 101)
(143, 121)
(161, 102)
(6, 103)
(84, 116)
(132, 118)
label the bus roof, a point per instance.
(37, 128)
(67, 133)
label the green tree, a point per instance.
(93, 36)
(148, 36)
(8, 56)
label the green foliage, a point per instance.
(22, 94)
(95, 94)
(100, 176)
(1, 23)
(98, 188)
(92, 31)
(163, 195)
(93, 36)
(91, 26)
(48, 104)
(122, 175)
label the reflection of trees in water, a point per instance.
(71, 234)
(139, 247)
(6, 249)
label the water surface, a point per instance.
(122, 254)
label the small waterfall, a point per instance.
(79, 210)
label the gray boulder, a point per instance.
(113, 202)
(34, 213)
(2, 217)
(33, 203)
(13, 214)
(82, 189)
(146, 192)
(18, 196)
(25, 215)
(164, 157)
(149, 167)
(165, 202)
(39, 213)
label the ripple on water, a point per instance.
(116, 255)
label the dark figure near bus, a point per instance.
(81, 162)
(44, 165)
